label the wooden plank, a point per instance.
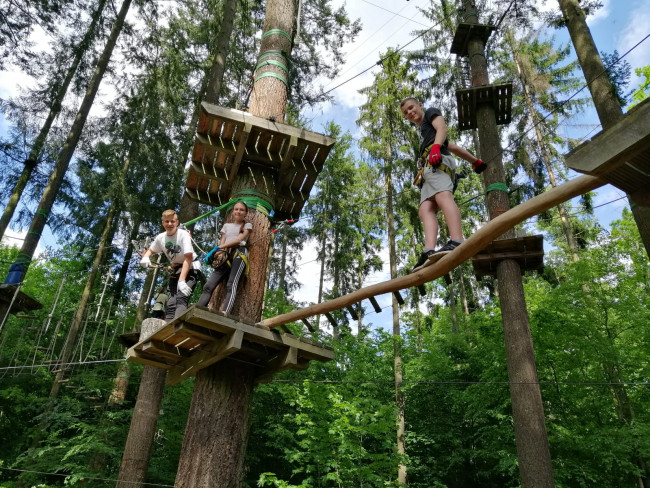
(465, 32)
(374, 303)
(620, 153)
(158, 348)
(398, 297)
(352, 312)
(212, 353)
(331, 319)
(255, 333)
(308, 325)
(137, 357)
(241, 150)
(466, 250)
(275, 127)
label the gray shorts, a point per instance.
(436, 181)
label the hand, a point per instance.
(145, 262)
(479, 166)
(208, 256)
(435, 158)
(184, 289)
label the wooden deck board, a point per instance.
(200, 338)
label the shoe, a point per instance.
(450, 246)
(423, 258)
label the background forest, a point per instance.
(113, 111)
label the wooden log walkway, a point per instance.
(472, 245)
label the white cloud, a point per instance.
(634, 30)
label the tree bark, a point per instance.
(55, 107)
(397, 337)
(217, 427)
(602, 92)
(533, 450)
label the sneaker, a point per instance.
(450, 246)
(423, 258)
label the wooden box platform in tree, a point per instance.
(199, 338)
(468, 99)
(21, 303)
(527, 251)
(465, 32)
(620, 154)
(230, 141)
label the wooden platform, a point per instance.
(468, 99)
(620, 154)
(230, 141)
(200, 338)
(22, 303)
(464, 32)
(527, 251)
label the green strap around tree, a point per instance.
(251, 198)
(273, 75)
(271, 32)
(496, 186)
(274, 63)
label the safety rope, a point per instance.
(251, 198)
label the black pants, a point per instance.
(233, 273)
(177, 303)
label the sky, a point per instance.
(391, 24)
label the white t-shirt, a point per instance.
(175, 247)
(231, 230)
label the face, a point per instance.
(170, 224)
(239, 212)
(412, 110)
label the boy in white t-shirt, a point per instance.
(176, 244)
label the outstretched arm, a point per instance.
(461, 152)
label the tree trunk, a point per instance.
(218, 423)
(602, 93)
(65, 155)
(528, 411)
(397, 336)
(55, 107)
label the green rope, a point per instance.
(274, 75)
(632, 205)
(34, 233)
(42, 212)
(277, 31)
(274, 63)
(253, 200)
(496, 186)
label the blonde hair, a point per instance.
(168, 214)
(406, 99)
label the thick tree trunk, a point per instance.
(65, 155)
(607, 105)
(218, 423)
(55, 107)
(528, 411)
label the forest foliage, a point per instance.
(335, 423)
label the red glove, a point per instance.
(479, 166)
(434, 156)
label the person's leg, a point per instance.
(447, 204)
(212, 282)
(182, 301)
(429, 220)
(170, 311)
(236, 272)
